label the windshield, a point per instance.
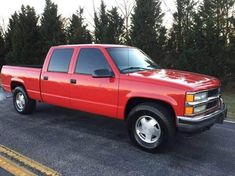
(131, 60)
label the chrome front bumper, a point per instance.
(201, 123)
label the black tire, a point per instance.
(165, 122)
(29, 105)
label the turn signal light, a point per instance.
(189, 98)
(188, 110)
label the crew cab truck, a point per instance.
(120, 82)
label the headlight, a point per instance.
(200, 96)
(194, 110)
(191, 99)
(196, 97)
(199, 109)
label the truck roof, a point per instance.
(92, 45)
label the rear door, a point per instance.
(95, 95)
(55, 80)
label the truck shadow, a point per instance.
(82, 122)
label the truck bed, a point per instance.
(29, 66)
(28, 76)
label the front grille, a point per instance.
(212, 104)
(213, 92)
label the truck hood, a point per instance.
(192, 80)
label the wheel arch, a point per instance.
(17, 83)
(134, 101)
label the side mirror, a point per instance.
(103, 73)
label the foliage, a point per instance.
(147, 27)
(108, 25)
(101, 24)
(229, 99)
(2, 50)
(115, 27)
(199, 39)
(77, 32)
(52, 28)
(22, 37)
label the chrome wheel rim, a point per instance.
(148, 129)
(20, 101)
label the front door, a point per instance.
(95, 95)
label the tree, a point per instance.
(146, 23)
(161, 46)
(216, 29)
(200, 39)
(77, 32)
(13, 21)
(182, 29)
(101, 24)
(2, 44)
(108, 25)
(2, 50)
(115, 27)
(22, 38)
(52, 28)
(126, 7)
(231, 49)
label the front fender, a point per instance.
(165, 98)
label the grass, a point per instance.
(229, 99)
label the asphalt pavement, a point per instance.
(77, 143)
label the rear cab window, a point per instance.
(60, 60)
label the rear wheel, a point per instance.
(22, 103)
(151, 126)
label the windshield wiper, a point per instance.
(134, 68)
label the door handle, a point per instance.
(45, 78)
(73, 81)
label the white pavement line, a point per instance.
(229, 121)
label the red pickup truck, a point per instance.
(120, 82)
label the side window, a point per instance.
(89, 60)
(60, 60)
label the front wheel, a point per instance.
(22, 103)
(151, 126)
